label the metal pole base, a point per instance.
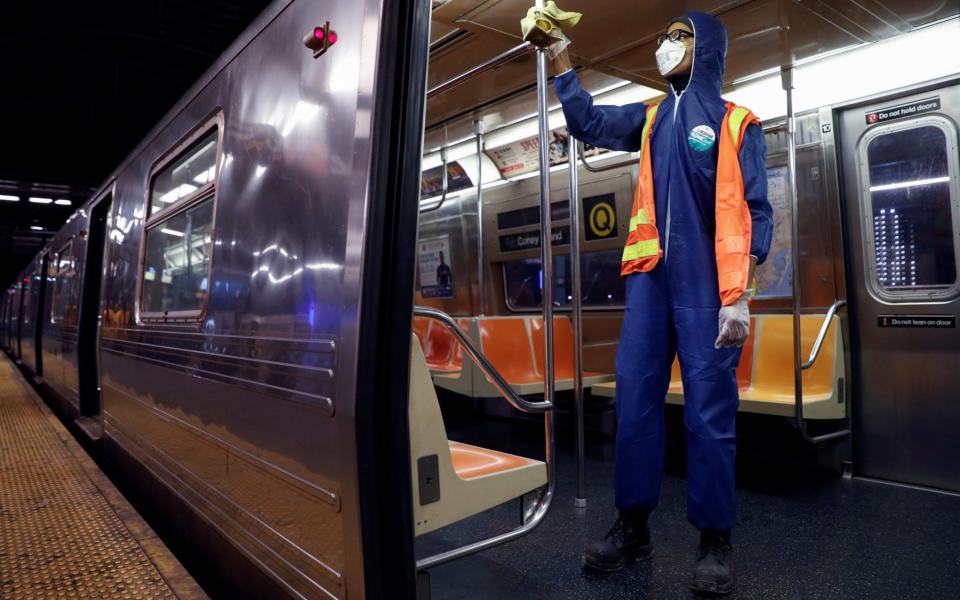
(579, 502)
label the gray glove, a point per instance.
(734, 324)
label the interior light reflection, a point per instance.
(908, 184)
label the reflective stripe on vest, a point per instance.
(732, 241)
(642, 250)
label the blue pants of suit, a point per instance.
(658, 326)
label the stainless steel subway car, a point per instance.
(207, 313)
(256, 318)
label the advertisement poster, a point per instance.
(775, 276)
(436, 275)
(523, 156)
(431, 181)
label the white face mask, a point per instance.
(669, 55)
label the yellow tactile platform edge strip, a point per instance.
(65, 530)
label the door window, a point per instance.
(909, 197)
(63, 269)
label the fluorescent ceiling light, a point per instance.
(8, 198)
(173, 232)
(851, 74)
(206, 176)
(908, 184)
(36, 228)
(38, 200)
(63, 202)
(184, 189)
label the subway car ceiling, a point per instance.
(873, 46)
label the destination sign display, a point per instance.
(531, 240)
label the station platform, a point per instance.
(65, 530)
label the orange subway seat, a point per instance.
(563, 362)
(773, 378)
(471, 462)
(506, 344)
(443, 351)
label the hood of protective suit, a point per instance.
(710, 53)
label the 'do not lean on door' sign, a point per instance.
(918, 321)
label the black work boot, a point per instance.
(712, 573)
(628, 540)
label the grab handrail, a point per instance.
(594, 169)
(493, 63)
(580, 501)
(546, 268)
(543, 505)
(533, 517)
(824, 328)
(482, 362)
(786, 79)
(539, 510)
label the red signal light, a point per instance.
(320, 39)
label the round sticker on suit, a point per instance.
(701, 138)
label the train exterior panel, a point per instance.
(229, 318)
(66, 266)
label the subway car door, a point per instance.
(899, 161)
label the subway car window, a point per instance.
(191, 171)
(600, 278)
(909, 200)
(177, 261)
(174, 280)
(63, 271)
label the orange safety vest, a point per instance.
(642, 251)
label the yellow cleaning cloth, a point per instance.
(542, 27)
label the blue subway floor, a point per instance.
(802, 534)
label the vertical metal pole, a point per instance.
(786, 77)
(546, 248)
(478, 125)
(581, 500)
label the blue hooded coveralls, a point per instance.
(674, 308)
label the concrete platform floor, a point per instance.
(65, 530)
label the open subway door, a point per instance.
(384, 298)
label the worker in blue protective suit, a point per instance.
(673, 304)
